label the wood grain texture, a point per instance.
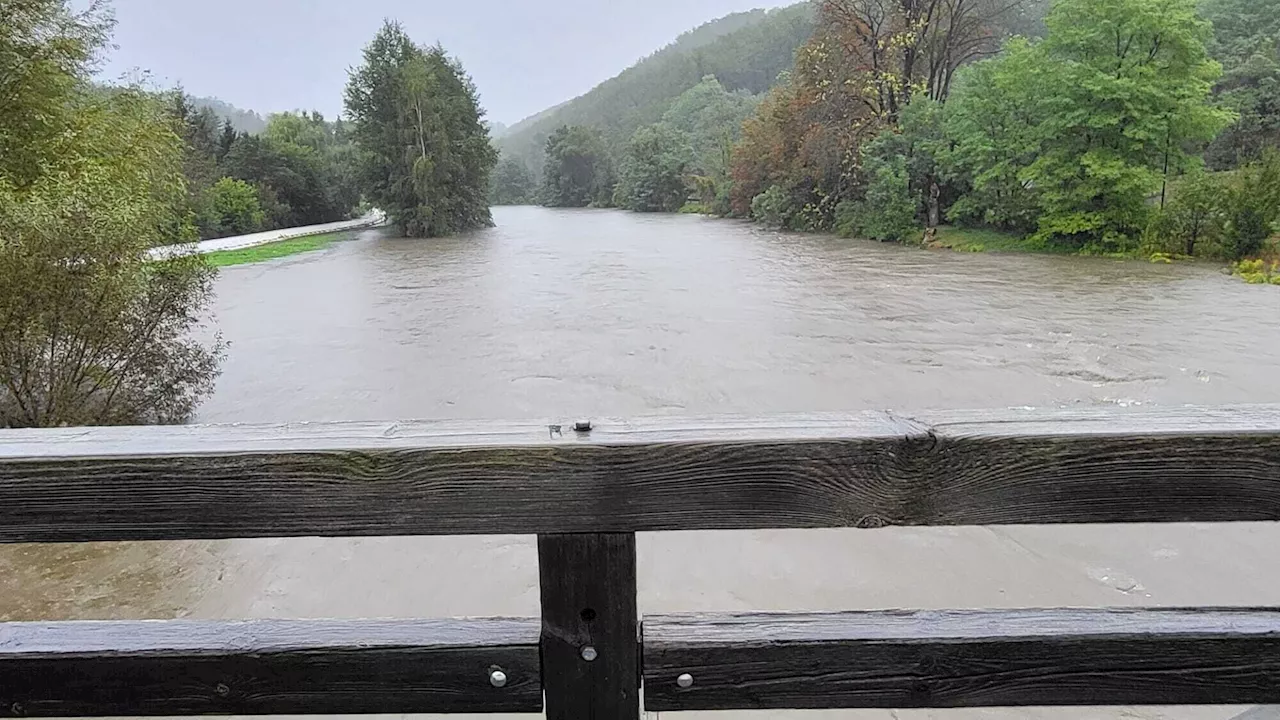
(859, 470)
(267, 667)
(970, 658)
(588, 591)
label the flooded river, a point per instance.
(569, 314)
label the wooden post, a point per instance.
(590, 653)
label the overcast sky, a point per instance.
(274, 55)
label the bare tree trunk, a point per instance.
(934, 192)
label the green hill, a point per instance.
(745, 51)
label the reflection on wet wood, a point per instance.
(859, 470)
(962, 658)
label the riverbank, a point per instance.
(962, 239)
(239, 242)
(279, 249)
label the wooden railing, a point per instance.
(585, 495)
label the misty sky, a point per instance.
(274, 55)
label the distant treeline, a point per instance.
(298, 170)
(1077, 125)
(243, 120)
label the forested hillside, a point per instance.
(744, 51)
(242, 120)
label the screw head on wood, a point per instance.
(497, 678)
(685, 680)
(589, 653)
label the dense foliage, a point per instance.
(578, 170)
(652, 178)
(417, 121)
(90, 331)
(899, 115)
(512, 183)
(1246, 40)
(300, 170)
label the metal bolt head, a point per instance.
(497, 678)
(589, 653)
(685, 680)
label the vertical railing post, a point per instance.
(590, 655)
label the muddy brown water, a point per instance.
(568, 314)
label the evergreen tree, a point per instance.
(417, 121)
(226, 140)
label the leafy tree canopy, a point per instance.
(417, 120)
(578, 170)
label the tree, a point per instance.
(654, 170)
(1193, 215)
(711, 118)
(235, 209)
(1246, 40)
(511, 183)
(91, 332)
(226, 140)
(920, 141)
(1120, 88)
(418, 124)
(888, 212)
(992, 131)
(46, 51)
(304, 171)
(884, 51)
(1251, 206)
(578, 171)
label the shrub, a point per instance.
(888, 211)
(91, 332)
(771, 207)
(234, 209)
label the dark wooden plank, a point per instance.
(268, 667)
(962, 658)
(860, 470)
(590, 655)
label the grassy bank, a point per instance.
(984, 240)
(271, 251)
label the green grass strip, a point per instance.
(273, 250)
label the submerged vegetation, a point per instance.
(273, 250)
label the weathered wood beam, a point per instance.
(860, 470)
(590, 651)
(962, 658)
(268, 667)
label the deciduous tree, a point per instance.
(418, 123)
